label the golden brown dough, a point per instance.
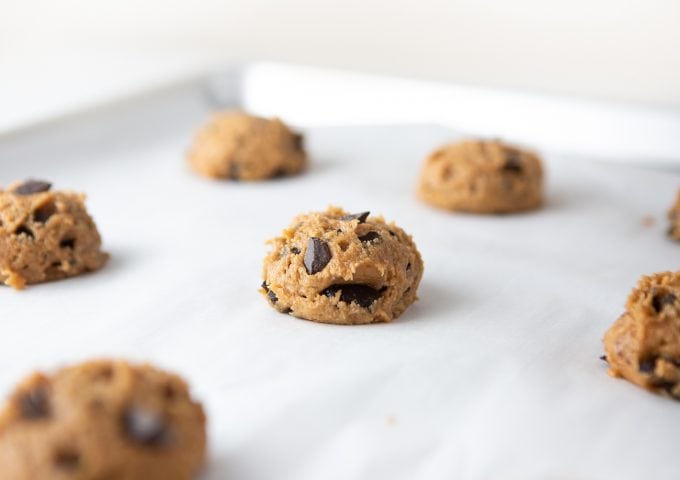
(103, 420)
(45, 235)
(482, 177)
(643, 345)
(336, 267)
(237, 146)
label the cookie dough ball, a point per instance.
(348, 269)
(482, 177)
(643, 345)
(45, 235)
(674, 218)
(237, 146)
(102, 420)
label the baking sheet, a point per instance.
(494, 373)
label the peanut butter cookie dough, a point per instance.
(347, 269)
(674, 218)
(643, 345)
(102, 420)
(45, 235)
(237, 146)
(482, 177)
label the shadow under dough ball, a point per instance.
(342, 268)
(45, 235)
(482, 177)
(236, 146)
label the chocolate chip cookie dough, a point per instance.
(482, 177)
(342, 268)
(643, 345)
(102, 420)
(45, 235)
(237, 146)
(674, 218)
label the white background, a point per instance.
(617, 49)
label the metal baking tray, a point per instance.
(494, 373)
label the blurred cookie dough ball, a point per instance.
(237, 146)
(482, 177)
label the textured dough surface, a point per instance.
(333, 267)
(46, 235)
(674, 218)
(643, 345)
(237, 146)
(482, 177)
(102, 420)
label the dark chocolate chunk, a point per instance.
(169, 392)
(67, 459)
(286, 311)
(145, 427)
(660, 300)
(647, 365)
(24, 230)
(667, 386)
(513, 162)
(29, 187)
(603, 358)
(298, 141)
(264, 286)
(408, 266)
(35, 405)
(272, 296)
(362, 295)
(44, 212)
(294, 250)
(234, 171)
(369, 237)
(67, 243)
(279, 173)
(317, 256)
(356, 216)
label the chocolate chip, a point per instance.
(392, 233)
(603, 358)
(44, 212)
(369, 237)
(660, 300)
(362, 295)
(29, 187)
(286, 311)
(145, 427)
(279, 173)
(513, 162)
(169, 392)
(234, 171)
(294, 250)
(298, 141)
(667, 386)
(272, 296)
(67, 243)
(317, 256)
(24, 230)
(647, 365)
(67, 459)
(35, 405)
(356, 216)
(408, 266)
